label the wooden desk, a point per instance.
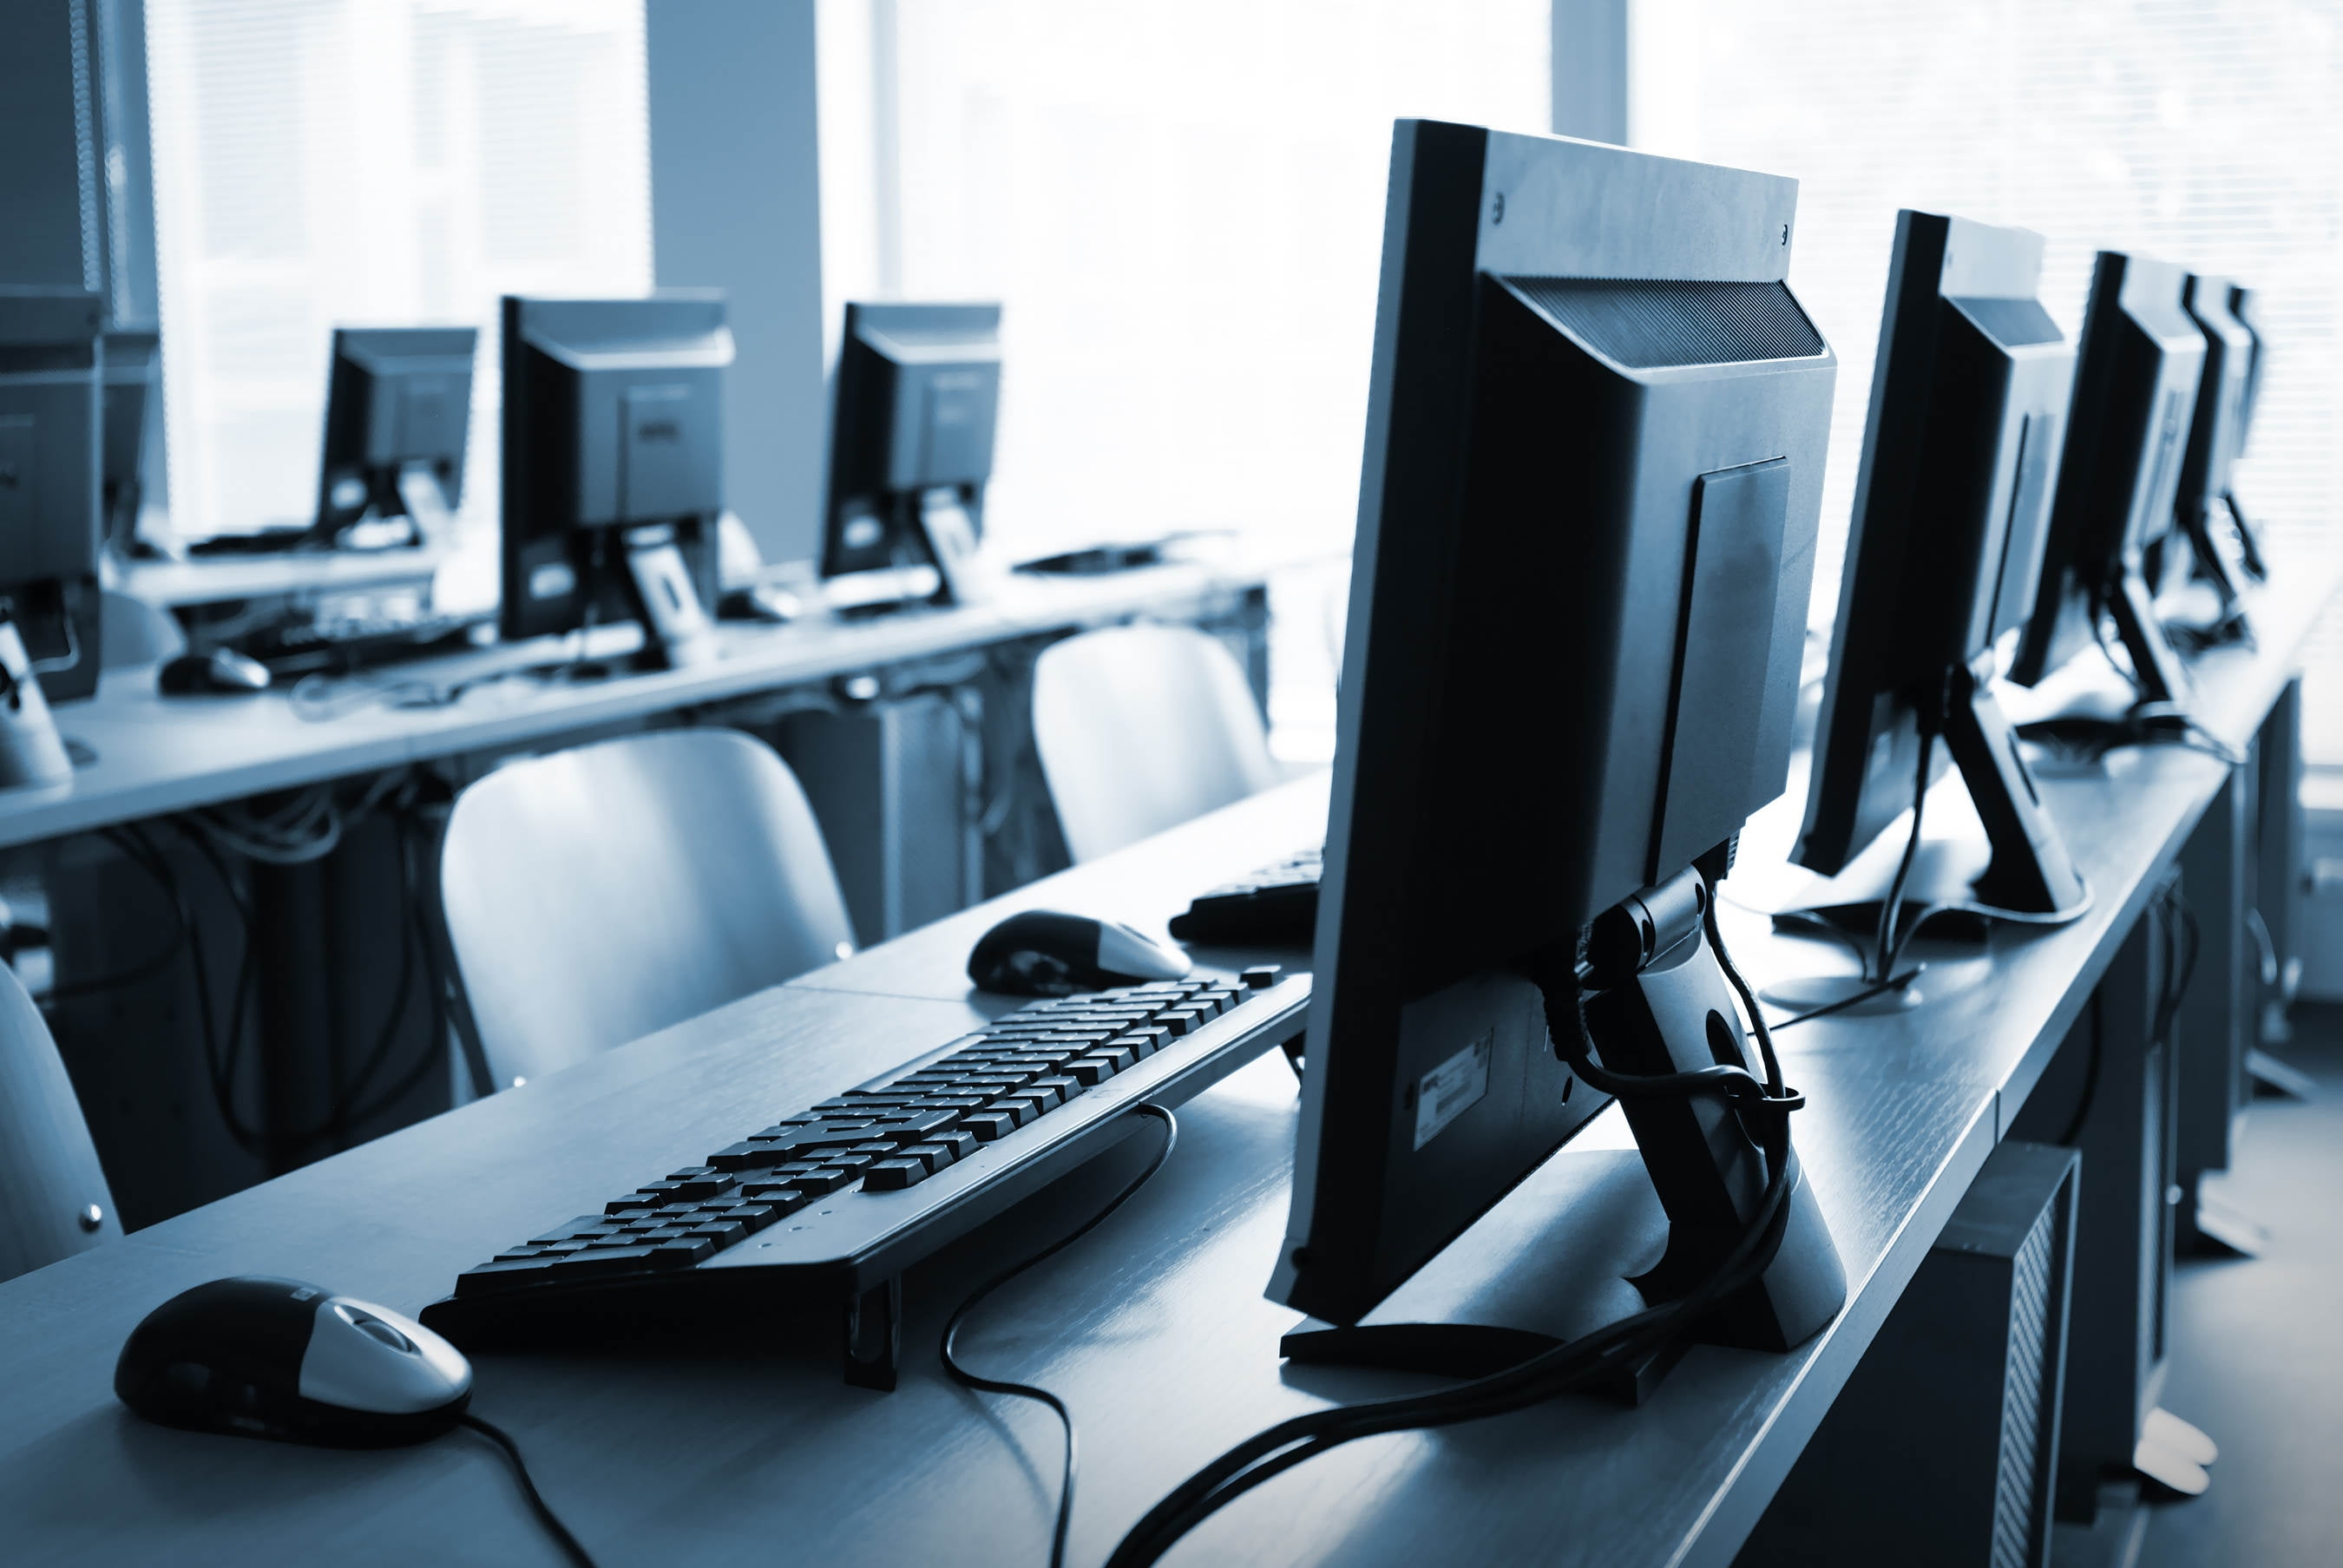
(1154, 1329)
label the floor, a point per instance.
(2258, 1344)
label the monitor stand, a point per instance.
(1670, 1009)
(677, 632)
(2028, 877)
(2155, 665)
(2249, 542)
(427, 505)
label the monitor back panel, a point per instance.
(1594, 454)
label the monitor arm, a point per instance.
(1655, 1001)
(1649, 995)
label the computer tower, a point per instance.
(1943, 1447)
(2277, 877)
(892, 783)
(2111, 1092)
(2214, 1028)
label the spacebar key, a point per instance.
(679, 1253)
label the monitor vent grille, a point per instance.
(2012, 323)
(1652, 325)
(2023, 1395)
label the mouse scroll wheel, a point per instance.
(374, 1327)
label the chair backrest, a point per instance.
(598, 894)
(50, 1181)
(1140, 727)
(131, 631)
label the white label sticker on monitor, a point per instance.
(1452, 1088)
(555, 580)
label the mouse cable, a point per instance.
(1564, 1368)
(961, 1374)
(543, 1509)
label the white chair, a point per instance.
(1140, 727)
(598, 894)
(54, 1201)
(131, 631)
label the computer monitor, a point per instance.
(2244, 306)
(613, 474)
(129, 356)
(1959, 459)
(1595, 433)
(2126, 433)
(50, 457)
(2200, 510)
(918, 394)
(398, 406)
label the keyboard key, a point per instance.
(912, 1129)
(986, 1126)
(666, 1254)
(934, 1156)
(1146, 1042)
(1089, 1071)
(892, 1175)
(1067, 1088)
(502, 1274)
(960, 1142)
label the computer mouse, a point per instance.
(261, 1357)
(1042, 952)
(222, 671)
(764, 602)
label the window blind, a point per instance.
(2203, 131)
(324, 162)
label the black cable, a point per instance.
(1565, 1367)
(2092, 1068)
(1878, 988)
(143, 852)
(435, 1041)
(133, 974)
(543, 1509)
(1555, 1371)
(959, 1373)
(1889, 946)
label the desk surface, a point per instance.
(1154, 1328)
(158, 754)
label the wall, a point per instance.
(735, 205)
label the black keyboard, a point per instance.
(340, 646)
(877, 1177)
(1276, 906)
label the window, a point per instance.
(2205, 132)
(1180, 208)
(321, 163)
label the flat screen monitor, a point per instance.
(917, 397)
(51, 455)
(1960, 455)
(1596, 436)
(2215, 435)
(2245, 305)
(130, 357)
(613, 475)
(398, 406)
(2136, 382)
